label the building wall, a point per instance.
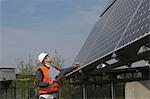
(7, 74)
(137, 90)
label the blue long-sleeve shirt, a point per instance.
(40, 76)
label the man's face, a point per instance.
(48, 59)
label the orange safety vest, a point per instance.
(52, 88)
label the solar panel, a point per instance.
(91, 40)
(113, 23)
(140, 24)
(89, 43)
(122, 23)
(108, 5)
(109, 2)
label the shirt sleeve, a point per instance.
(39, 80)
(67, 70)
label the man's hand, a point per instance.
(77, 65)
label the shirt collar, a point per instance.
(47, 65)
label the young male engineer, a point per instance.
(47, 76)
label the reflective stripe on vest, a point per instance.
(53, 87)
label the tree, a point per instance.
(25, 78)
(26, 67)
(58, 61)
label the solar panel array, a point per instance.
(122, 23)
(140, 24)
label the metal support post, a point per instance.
(112, 90)
(149, 56)
(84, 91)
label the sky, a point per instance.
(29, 27)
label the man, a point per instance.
(47, 76)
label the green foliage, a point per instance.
(65, 89)
(23, 87)
(25, 79)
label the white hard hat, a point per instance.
(42, 56)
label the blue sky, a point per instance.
(29, 27)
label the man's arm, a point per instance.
(39, 80)
(70, 69)
(66, 70)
